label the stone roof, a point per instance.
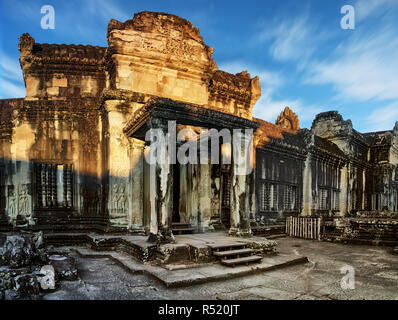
(160, 22)
(379, 138)
(44, 54)
(327, 146)
(272, 133)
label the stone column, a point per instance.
(241, 193)
(350, 181)
(119, 165)
(19, 202)
(136, 213)
(160, 185)
(343, 200)
(307, 187)
(204, 189)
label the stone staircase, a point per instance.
(182, 228)
(234, 253)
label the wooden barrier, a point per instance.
(303, 227)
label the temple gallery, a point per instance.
(73, 150)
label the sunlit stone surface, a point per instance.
(72, 151)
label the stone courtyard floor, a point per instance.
(376, 277)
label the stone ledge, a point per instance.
(201, 274)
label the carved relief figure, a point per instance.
(23, 200)
(11, 202)
(119, 198)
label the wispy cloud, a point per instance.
(268, 107)
(290, 39)
(294, 38)
(383, 118)
(11, 90)
(107, 10)
(364, 67)
(366, 8)
(10, 68)
(11, 80)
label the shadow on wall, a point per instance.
(56, 193)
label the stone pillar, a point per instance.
(215, 194)
(307, 187)
(204, 189)
(252, 190)
(386, 188)
(343, 200)
(119, 165)
(350, 175)
(241, 193)
(160, 185)
(136, 213)
(19, 193)
(194, 205)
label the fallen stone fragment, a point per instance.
(65, 267)
(22, 250)
(27, 284)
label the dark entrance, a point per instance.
(176, 193)
(226, 197)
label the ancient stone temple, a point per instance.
(73, 151)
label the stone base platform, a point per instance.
(188, 249)
(183, 275)
(377, 231)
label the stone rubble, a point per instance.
(22, 257)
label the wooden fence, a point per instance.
(303, 227)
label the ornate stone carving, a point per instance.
(12, 202)
(119, 199)
(288, 120)
(26, 43)
(24, 200)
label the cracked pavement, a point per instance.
(376, 277)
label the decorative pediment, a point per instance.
(288, 120)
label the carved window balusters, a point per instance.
(54, 185)
(336, 200)
(278, 188)
(328, 178)
(290, 198)
(268, 197)
(323, 199)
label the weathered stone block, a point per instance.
(65, 267)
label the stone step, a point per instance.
(185, 224)
(233, 252)
(181, 230)
(226, 245)
(243, 260)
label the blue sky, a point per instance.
(304, 59)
